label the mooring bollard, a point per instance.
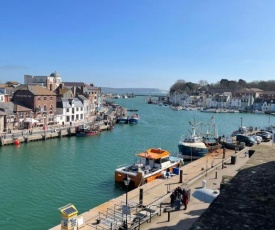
(168, 216)
(141, 197)
(216, 175)
(203, 184)
(181, 173)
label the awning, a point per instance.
(31, 120)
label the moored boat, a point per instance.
(133, 118)
(195, 145)
(150, 165)
(122, 120)
(86, 130)
(210, 110)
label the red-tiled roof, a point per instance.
(36, 90)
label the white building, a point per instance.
(178, 98)
(70, 110)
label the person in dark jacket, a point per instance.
(172, 199)
(184, 199)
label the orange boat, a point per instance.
(151, 164)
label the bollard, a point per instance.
(203, 184)
(168, 216)
(216, 175)
(181, 173)
(141, 197)
(160, 209)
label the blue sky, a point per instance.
(138, 43)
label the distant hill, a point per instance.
(146, 91)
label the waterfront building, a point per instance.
(201, 101)
(267, 95)
(8, 89)
(235, 103)
(189, 101)
(69, 110)
(12, 115)
(6, 116)
(92, 93)
(2, 96)
(245, 92)
(41, 101)
(268, 105)
(178, 98)
(210, 102)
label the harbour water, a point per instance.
(39, 177)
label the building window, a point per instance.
(68, 110)
(38, 98)
(51, 108)
(28, 115)
(51, 98)
(21, 115)
(45, 98)
(45, 108)
(51, 118)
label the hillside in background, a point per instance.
(146, 91)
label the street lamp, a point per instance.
(241, 122)
(126, 209)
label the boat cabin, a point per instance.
(154, 158)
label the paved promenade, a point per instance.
(183, 219)
(157, 192)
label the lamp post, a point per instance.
(241, 122)
(126, 210)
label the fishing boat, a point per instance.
(133, 118)
(150, 165)
(122, 120)
(86, 130)
(150, 100)
(196, 145)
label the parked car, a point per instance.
(248, 140)
(266, 136)
(257, 138)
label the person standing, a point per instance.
(172, 199)
(185, 199)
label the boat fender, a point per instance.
(17, 142)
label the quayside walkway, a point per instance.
(150, 210)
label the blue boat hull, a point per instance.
(192, 153)
(133, 121)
